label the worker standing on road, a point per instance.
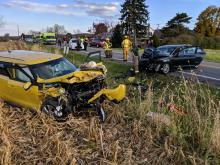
(135, 58)
(108, 48)
(85, 43)
(126, 45)
(66, 45)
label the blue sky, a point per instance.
(80, 14)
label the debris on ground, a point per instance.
(174, 108)
(159, 118)
(171, 106)
(93, 66)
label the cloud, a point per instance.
(77, 8)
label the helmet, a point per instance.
(126, 36)
(107, 39)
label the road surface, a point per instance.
(207, 72)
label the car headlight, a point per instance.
(61, 90)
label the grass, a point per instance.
(212, 55)
(128, 136)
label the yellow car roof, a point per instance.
(25, 57)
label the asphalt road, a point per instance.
(207, 72)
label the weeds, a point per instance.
(128, 137)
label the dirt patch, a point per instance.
(13, 45)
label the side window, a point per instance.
(188, 51)
(3, 70)
(19, 75)
(199, 50)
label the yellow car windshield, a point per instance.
(52, 69)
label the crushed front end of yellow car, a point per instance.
(80, 90)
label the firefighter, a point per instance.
(126, 45)
(85, 43)
(135, 58)
(108, 48)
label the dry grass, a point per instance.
(128, 137)
(13, 45)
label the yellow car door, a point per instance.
(23, 97)
(4, 77)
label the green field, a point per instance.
(212, 55)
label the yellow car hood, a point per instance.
(75, 77)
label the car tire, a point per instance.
(50, 107)
(165, 68)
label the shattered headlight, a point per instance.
(62, 91)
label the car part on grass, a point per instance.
(174, 108)
(159, 118)
(171, 106)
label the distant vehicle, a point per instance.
(28, 38)
(48, 38)
(168, 57)
(96, 42)
(36, 39)
(73, 44)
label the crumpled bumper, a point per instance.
(116, 94)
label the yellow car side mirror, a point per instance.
(27, 85)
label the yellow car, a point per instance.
(52, 84)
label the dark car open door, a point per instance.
(185, 57)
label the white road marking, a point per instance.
(199, 75)
(209, 66)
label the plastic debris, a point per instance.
(159, 118)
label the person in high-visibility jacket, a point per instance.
(126, 46)
(108, 48)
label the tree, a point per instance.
(177, 25)
(156, 40)
(59, 29)
(6, 35)
(100, 28)
(117, 36)
(135, 17)
(208, 22)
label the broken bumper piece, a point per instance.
(116, 94)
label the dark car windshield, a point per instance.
(50, 37)
(52, 69)
(165, 50)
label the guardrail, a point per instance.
(93, 54)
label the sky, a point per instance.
(79, 15)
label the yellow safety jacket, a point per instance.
(126, 43)
(107, 46)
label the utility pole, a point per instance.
(18, 30)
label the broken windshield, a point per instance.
(52, 69)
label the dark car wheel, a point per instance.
(165, 68)
(52, 108)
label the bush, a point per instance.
(204, 42)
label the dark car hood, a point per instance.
(154, 55)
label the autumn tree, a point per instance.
(208, 22)
(100, 28)
(135, 17)
(177, 25)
